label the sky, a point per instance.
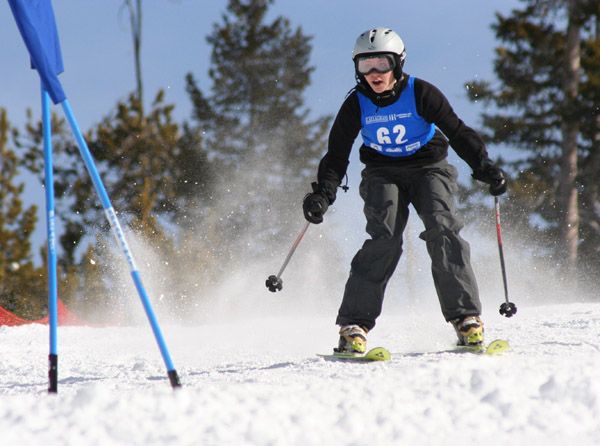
(448, 43)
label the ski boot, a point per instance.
(469, 330)
(353, 339)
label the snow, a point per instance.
(259, 382)
(248, 363)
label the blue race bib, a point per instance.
(396, 130)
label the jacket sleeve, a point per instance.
(344, 131)
(433, 106)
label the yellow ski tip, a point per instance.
(378, 354)
(497, 347)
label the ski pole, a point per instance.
(274, 283)
(507, 309)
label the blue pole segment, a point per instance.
(51, 241)
(152, 318)
(86, 155)
(120, 236)
(50, 227)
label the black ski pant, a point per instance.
(387, 192)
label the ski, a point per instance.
(496, 347)
(373, 355)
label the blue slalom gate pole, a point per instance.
(120, 236)
(51, 245)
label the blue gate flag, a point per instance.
(35, 20)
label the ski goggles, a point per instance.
(381, 64)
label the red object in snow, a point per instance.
(65, 317)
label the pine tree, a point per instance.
(589, 166)
(71, 183)
(154, 175)
(259, 138)
(149, 174)
(544, 107)
(22, 285)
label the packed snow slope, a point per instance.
(248, 361)
(259, 382)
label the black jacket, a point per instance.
(432, 105)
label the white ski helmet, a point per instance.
(381, 41)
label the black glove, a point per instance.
(315, 205)
(494, 176)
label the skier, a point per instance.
(406, 126)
